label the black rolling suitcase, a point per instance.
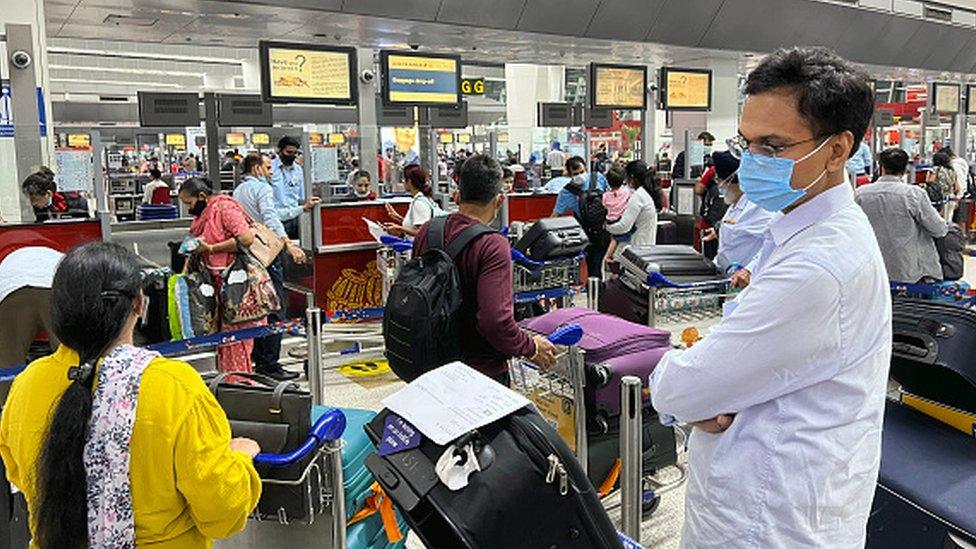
(155, 324)
(678, 263)
(667, 232)
(926, 487)
(932, 351)
(553, 237)
(531, 494)
(659, 449)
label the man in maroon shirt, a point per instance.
(488, 333)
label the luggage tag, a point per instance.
(456, 465)
(398, 435)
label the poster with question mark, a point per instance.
(309, 74)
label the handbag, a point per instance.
(267, 245)
(278, 416)
(247, 292)
(200, 299)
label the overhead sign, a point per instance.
(336, 139)
(395, 116)
(883, 118)
(473, 86)
(307, 73)
(421, 78)
(945, 98)
(503, 137)
(79, 140)
(177, 140)
(243, 110)
(236, 139)
(450, 116)
(970, 99)
(618, 86)
(168, 109)
(260, 139)
(447, 138)
(556, 115)
(316, 138)
(464, 138)
(686, 89)
(597, 118)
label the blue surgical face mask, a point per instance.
(766, 179)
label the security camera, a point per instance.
(415, 47)
(367, 76)
(20, 59)
(652, 88)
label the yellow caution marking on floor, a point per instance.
(365, 368)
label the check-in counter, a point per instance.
(58, 235)
(529, 207)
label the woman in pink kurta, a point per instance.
(220, 224)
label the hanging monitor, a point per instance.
(556, 115)
(307, 73)
(395, 116)
(618, 86)
(243, 110)
(945, 98)
(597, 118)
(168, 110)
(455, 117)
(412, 78)
(686, 89)
(970, 99)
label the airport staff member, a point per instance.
(904, 221)
(288, 181)
(743, 226)
(860, 164)
(787, 394)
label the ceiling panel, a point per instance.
(564, 17)
(683, 22)
(953, 40)
(928, 38)
(887, 33)
(966, 57)
(495, 14)
(624, 19)
(418, 10)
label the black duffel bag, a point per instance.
(530, 493)
(278, 416)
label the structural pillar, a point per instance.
(22, 28)
(369, 132)
(526, 86)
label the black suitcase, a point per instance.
(155, 325)
(620, 300)
(603, 447)
(667, 232)
(926, 487)
(553, 237)
(533, 494)
(932, 350)
(677, 263)
(684, 227)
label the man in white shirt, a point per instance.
(155, 182)
(556, 159)
(787, 393)
(961, 167)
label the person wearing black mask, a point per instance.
(288, 182)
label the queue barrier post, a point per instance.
(630, 455)
(593, 293)
(338, 495)
(313, 334)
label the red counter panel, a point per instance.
(528, 208)
(344, 224)
(61, 236)
(347, 280)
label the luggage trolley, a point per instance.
(320, 486)
(679, 303)
(559, 395)
(554, 279)
(390, 257)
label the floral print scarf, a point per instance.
(107, 451)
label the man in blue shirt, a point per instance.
(288, 182)
(861, 163)
(567, 201)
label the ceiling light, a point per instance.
(147, 55)
(153, 72)
(117, 19)
(118, 83)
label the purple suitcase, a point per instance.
(613, 348)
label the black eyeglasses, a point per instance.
(738, 144)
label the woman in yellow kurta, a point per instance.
(114, 446)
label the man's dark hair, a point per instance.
(832, 94)
(941, 160)
(506, 173)
(480, 179)
(706, 136)
(37, 184)
(575, 162)
(948, 151)
(155, 173)
(288, 141)
(251, 160)
(363, 173)
(894, 161)
(616, 177)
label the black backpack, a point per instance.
(593, 214)
(950, 248)
(419, 320)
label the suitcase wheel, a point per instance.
(649, 503)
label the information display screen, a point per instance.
(686, 89)
(420, 79)
(618, 86)
(970, 100)
(260, 139)
(945, 97)
(235, 139)
(307, 73)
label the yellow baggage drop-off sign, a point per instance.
(472, 86)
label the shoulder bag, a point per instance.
(247, 292)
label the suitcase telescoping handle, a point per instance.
(658, 280)
(327, 428)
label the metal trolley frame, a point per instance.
(675, 302)
(559, 395)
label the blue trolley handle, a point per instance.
(658, 280)
(328, 428)
(569, 334)
(399, 245)
(521, 259)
